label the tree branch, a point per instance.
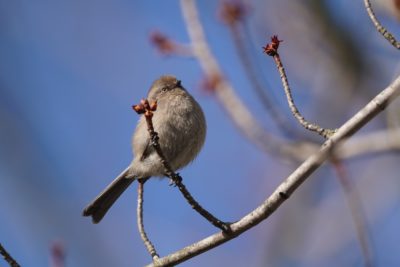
(7, 257)
(233, 13)
(146, 241)
(375, 142)
(292, 182)
(382, 30)
(147, 109)
(271, 49)
(356, 210)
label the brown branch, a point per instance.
(7, 257)
(271, 49)
(356, 211)
(382, 30)
(196, 206)
(292, 182)
(148, 110)
(147, 243)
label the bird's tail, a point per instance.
(103, 202)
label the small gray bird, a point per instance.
(181, 127)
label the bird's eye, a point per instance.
(164, 89)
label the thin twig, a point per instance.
(147, 243)
(7, 257)
(382, 30)
(276, 115)
(196, 206)
(271, 49)
(233, 14)
(292, 182)
(356, 211)
(148, 110)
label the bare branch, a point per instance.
(276, 115)
(271, 49)
(356, 211)
(382, 30)
(7, 257)
(233, 14)
(147, 109)
(292, 182)
(147, 243)
(375, 142)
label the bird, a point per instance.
(181, 127)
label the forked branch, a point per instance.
(148, 109)
(292, 182)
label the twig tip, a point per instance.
(271, 48)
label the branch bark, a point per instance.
(139, 211)
(381, 29)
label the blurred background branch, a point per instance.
(356, 210)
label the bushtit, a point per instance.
(181, 127)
